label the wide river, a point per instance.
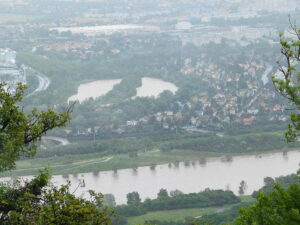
(215, 173)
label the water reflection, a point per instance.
(193, 163)
(176, 164)
(115, 174)
(65, 176)
(187, 164)
(134, 171)
(227, 159)
(202, 161)
(96, 173)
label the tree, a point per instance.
(133, 198)
(268, 181)
(18, 131)
(175, 193)
(242, 187)
(37, 202)
(287, 83)
(162, 194)
(281, 206)
(278, 207)
(109, 200)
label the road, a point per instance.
(44, 83)
(62, 141)
(73, 165)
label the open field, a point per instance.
(83, 163)
(180, 214)
(174, 215)
(98, 162)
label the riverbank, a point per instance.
(84, 163)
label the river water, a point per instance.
(215, 173)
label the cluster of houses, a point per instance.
(231, 102)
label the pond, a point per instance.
(152, 87)
(94, 89)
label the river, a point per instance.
(215, 173)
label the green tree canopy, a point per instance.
(287, 81)
(18, 131)
(276, 208)
(281, 206)
(133, 198)
(36, 201)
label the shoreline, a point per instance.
(96, 162)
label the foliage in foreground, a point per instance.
(18, 131)
(288, 82)
(278, 207)
(35, 202)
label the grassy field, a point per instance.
(99, 162)
(175, 215)
(180, 214)
(83, 163)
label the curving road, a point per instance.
(62, 141)
(44, 83)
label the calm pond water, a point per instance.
(215, 173)
(152, 87)
(94, 89)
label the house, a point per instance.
(159, 118)
(277, 107)
(249, 121)
(193, 121)
(144, 119)
(252, 111)
(165, 125)
(169, 113)
(131, 123)
(178, 116)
